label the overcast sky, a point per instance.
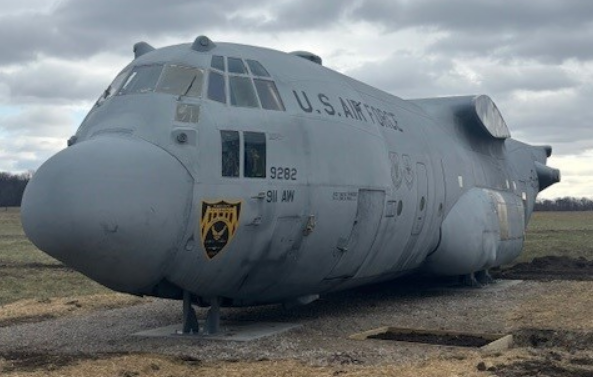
(534, 58)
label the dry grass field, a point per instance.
(27, 273)
(568, 234)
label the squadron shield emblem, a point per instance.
(219, 224)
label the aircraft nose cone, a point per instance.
(113, 208)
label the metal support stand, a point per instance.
(190, 320)
(484, 278)
(213, 317)
(470, 280)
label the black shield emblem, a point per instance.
(219, 224)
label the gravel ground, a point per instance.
(326, 325)
(549, 335)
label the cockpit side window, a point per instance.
(257, 69)
(268, 95)
(217, 63)
(236, 65)
(143, 79)
(216, 87)
(251, 87)
(180, 80)
(230, 153)
(254, 154)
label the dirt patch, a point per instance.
(570, 341)
(23, 361)
(550, 353)
(443, 340)
(549, 268)
(25, 319)
(546, 367)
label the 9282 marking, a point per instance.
(283, 174)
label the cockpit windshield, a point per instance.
(171, 79)
(181, 80)
(142, 79)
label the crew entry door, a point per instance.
(353, 252)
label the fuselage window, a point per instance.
(255, 154)
(268, 95)
(143, 79)
(257, 69)
(179, 80)
(216, 87)
(236, 65)
(242, 92)
(217, 63)
(230, 153)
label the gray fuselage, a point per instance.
(267, 188)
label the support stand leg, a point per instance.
(213, 317)
(484, 278)
(190, 320)
(469, 280)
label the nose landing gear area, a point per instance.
(213, 329)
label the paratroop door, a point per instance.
(364, 231)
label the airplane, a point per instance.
(227, 175)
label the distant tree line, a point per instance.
(12, 187)
(564, 204)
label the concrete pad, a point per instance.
(499, 285)
(237, 331)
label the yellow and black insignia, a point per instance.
(219, 224)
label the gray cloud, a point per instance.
(508, 78)
(534, 58)
(492, 27)
(81, 28)
(408, 75)
(39, 121)
(53, 82)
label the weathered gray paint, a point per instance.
(395, 186)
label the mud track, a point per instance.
(549, 268)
